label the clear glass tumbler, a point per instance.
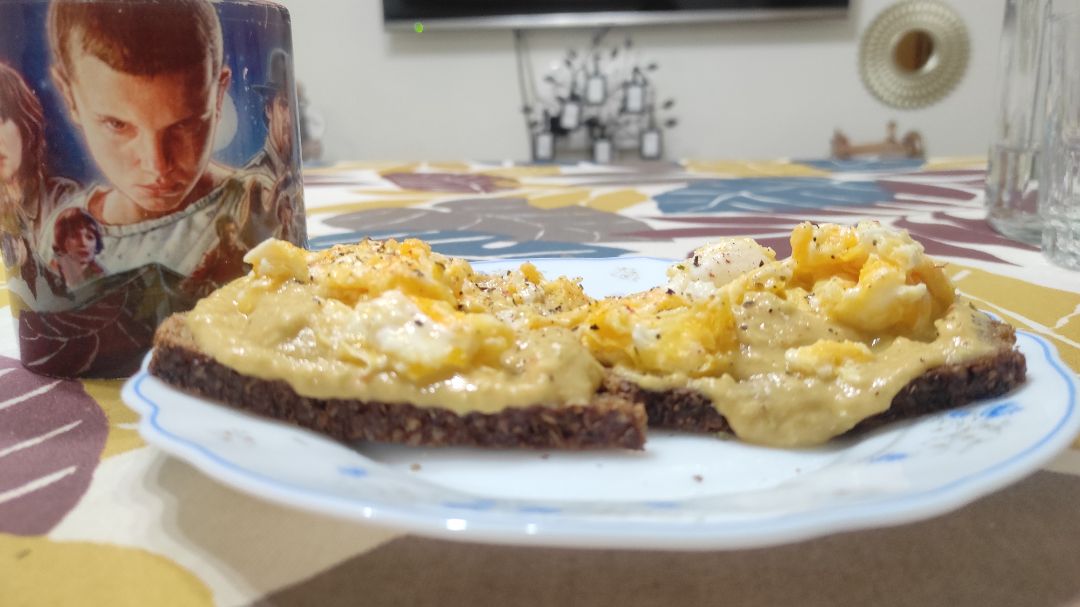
(1059, 196)
(1012, 178)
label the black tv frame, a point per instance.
(615, 18)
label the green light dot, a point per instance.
(418, 27)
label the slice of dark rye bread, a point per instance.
(610, 420)
(938, 389)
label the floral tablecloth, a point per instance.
(91, 515)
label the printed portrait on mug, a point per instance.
(145, 147)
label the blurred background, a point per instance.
(761, 89)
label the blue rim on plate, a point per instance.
(841, 497)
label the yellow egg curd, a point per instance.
(797, 351)
(397, 323)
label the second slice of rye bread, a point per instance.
(938, 389)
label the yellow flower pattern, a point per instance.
(1051, 313)
(122, 419)
(751, 168)
(38, 571)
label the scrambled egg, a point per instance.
(395, 322)
(793, 351)
(716, 264)
(870, 278)
(662, 332)
(524, 298)
(842, 283)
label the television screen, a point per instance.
(554, 13)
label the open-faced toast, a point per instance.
(390, 342)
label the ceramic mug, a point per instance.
(145, 147)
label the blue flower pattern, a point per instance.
(539, 510)
(770, 195)
(1002, 410)
(870, 165)
(479, 504)
(888, 457)
(961, 429)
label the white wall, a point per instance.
(749, 90)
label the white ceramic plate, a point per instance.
(684, 492)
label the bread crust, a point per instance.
(610, 420)
(938, 389)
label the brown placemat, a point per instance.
(1019, 547)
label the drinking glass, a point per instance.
(1059, 196)
(1012, 177)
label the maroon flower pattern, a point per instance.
(51, 437)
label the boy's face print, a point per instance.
(81, 245)
(230, 235)
(280, 120)
(151, 136)
(11, 145)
